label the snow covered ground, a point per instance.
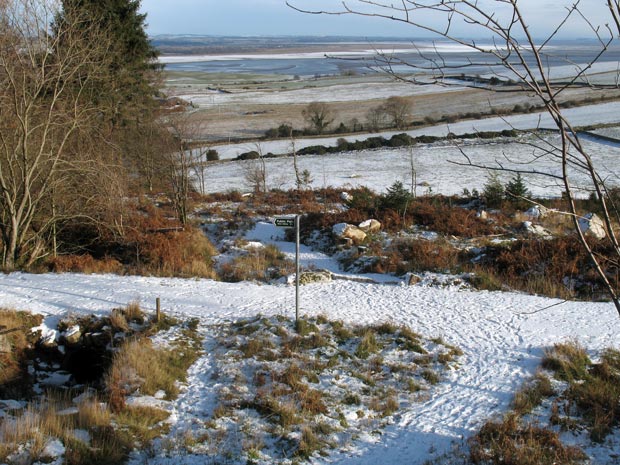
(502, 335)
(334, 93)
(378, 169)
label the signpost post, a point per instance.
(293, 222)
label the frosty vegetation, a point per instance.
(459, 248)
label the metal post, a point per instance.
(297, 269)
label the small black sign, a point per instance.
(285, 222)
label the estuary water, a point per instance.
(423, 56)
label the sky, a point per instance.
(273, 18)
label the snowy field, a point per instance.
(606, 113)
(378, 169)
(502, 335)
(613, 132)
(334, 93)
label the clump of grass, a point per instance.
(611, 357)
(304, 327)
(260, 264)
(509, 442)
(133, 313)
(425, 360)
(143, 423)
(385, 328)
(384, 406)
(118, 321)
(430, 376)
(569, 361)
(532, 394)
(412, 386)
(311, 401)
(293, 375)
(341, 332)
(486, 280)
(281, 413)
(309, 342)
(165, 323)
(15, 346)
(411, 340)
(322, 319)
(256, 346)
(445, 357)
(309, 443)
(364, 377)
(351, 399)
(140, 365)
(221, 411)
(31, 431)
(368, 344)
(598, 400)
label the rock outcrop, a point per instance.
(349, 233)
(370, 226)
(592, 225)
(535, 230)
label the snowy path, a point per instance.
(501, 334)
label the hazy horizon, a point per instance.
(264, 18)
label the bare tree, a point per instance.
(179, 163)
(303, 179)
(393, 112)
(45, 80)
(199, 163)
(145, 147)
(397, 110)
(298, 180)
(376, 118)
(509, 45)
(255, 172)
(318, 115)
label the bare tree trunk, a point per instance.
(414, 174)
(298, 180)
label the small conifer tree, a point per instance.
(493, 192)
(397, 198)
(517, 192)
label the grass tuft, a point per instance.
(532, 394)
(15, 345)
(569, 361)
(368, 344)
(509, 442)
